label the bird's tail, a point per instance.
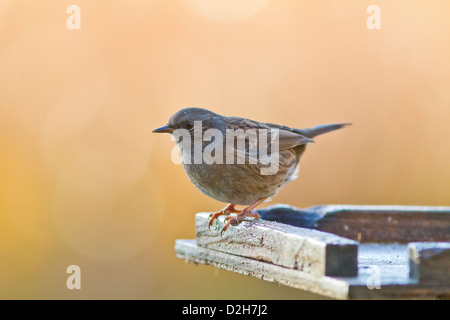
(315, 131)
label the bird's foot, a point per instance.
(247, 212)
(231, 208)
(239, 218)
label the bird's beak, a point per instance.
(164, 129)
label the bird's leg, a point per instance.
(230, 208)
(247, 212)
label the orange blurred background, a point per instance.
(85, 182)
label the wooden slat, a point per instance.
(327, 286)
(430, 261)
(380, 224)
(312, 249)
(389, 260)
(301, 249)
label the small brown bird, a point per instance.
(237, 160)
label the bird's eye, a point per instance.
(189, 125)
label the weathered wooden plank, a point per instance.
(430, 261)
(380, 224)
(301, 249)
(307, 249)
(383, 273)
(327, 286)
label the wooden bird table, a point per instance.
(339, 251)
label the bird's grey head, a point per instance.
(185, 118)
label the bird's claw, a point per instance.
(233, 220)
(216, 224)
(230, 221)
(213, 217)
(231, 208)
